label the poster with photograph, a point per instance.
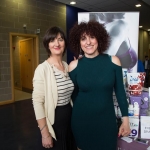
(123, 28)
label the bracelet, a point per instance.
(43, 127)
(45, 137)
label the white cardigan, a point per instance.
(45, 94)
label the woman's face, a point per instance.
(57, 45)
(89, 44)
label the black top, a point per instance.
(93, 115)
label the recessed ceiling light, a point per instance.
(148, 30)
(72, 2)
(138, 5)
(140, 26)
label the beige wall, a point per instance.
(35, 14)
(144, 42)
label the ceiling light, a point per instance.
(148, 30)
(140, 26)
(72, 2)
(138, 5)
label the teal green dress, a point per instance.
(93, 117)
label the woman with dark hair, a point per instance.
(120, 45)
(95, 76)
(52, 89)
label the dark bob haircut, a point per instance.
(50, 35)
(92, 28)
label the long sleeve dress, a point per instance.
(93, 117)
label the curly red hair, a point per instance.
(92, 28)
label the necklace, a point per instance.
(63, 73)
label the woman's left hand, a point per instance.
(124, 129)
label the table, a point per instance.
(123, 145)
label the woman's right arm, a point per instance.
(72, 75)
(47, 140)
(38, 98)
(73, 65)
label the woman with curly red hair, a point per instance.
(95, 76)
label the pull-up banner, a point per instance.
(123, 28)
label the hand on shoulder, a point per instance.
(73, 65)
(116, 60)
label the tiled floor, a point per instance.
(18, 127)
(21, 95)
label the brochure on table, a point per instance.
(145, 127)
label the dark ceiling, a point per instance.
(117, 6)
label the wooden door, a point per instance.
(26, 62)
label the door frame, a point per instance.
(36, 59)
